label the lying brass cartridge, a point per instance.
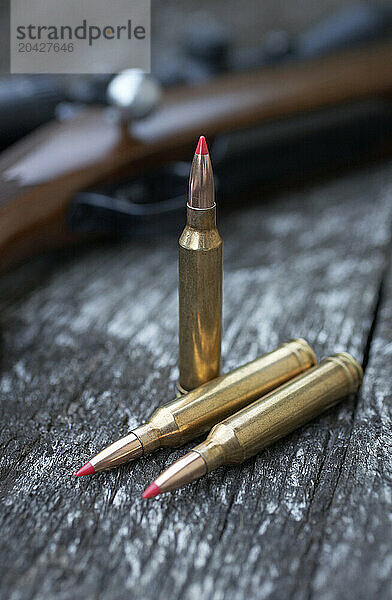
(263, 422)
(200, 280)
(188, 416)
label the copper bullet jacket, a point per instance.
(201, 192)
(123, 450)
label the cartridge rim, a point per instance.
(346, 360)
(307, 348)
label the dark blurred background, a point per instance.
(249, 21)
(193, 43)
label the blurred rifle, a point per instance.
(45, 177)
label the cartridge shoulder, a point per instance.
(164, 422)
(196, 239)
(224, 437)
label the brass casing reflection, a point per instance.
(200, 299)
(188, 416)
(278, 413)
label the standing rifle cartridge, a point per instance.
(190, 415)
(263, 422)
(200, 279)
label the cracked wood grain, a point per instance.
(88, 350)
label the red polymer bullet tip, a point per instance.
(152, 491)
(201, 146)
(87, 469)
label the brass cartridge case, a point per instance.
(188, 416)
(200, 299)
(278, 413)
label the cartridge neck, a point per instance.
(212, 454)
(201, 218)
(148, 436)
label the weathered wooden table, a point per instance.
(88, 350)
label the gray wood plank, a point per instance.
(89, 350)
(354, 550)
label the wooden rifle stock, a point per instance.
(40, 174)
